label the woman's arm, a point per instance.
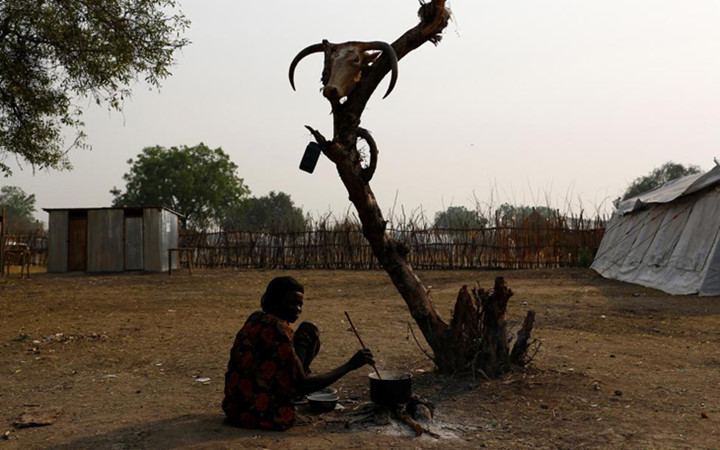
(312, 383)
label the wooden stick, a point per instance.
(400, 414)
(361, 342)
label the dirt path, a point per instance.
(620, 366)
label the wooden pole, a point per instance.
(361, 343)
(190, 255)
(2, 243)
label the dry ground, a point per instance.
(620, 366)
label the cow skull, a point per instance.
(344, 64)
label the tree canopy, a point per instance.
(54, 51)
(459, 217)
(659, 176)
(517, 214)
(198, 182)
(19, 208)
(273, 212)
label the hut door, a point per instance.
(77, 241)
(133, 242)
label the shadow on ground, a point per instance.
(179, 432)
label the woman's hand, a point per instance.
(361, 358)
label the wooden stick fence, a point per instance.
(35, 241)
(508, 247)
(542, 243)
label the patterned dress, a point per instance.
(262, 374)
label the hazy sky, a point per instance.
(523, 101)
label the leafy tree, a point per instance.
(273, 212)
(459, 217)
(659, 176)
(19, 208)
(54, 51)
(508, 213)
(198, 182)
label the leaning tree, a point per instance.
(476, 338)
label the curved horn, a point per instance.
(315, 48)
(390, 51)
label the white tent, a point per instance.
(668, 238)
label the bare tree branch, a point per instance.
(369, 171)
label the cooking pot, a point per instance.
(394, 388)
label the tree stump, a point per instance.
(477, 337)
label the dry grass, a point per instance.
(123, 369)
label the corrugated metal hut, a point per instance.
(111, 239)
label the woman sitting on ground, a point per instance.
(270, 365)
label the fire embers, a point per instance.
(417, 414)
(420, 409)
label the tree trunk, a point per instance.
(454, 345)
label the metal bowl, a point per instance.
(320, 402)
(327, 390)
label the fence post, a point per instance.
(2, 242)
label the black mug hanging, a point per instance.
(310, 158)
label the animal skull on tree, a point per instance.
(354, 70)
(344, 65)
